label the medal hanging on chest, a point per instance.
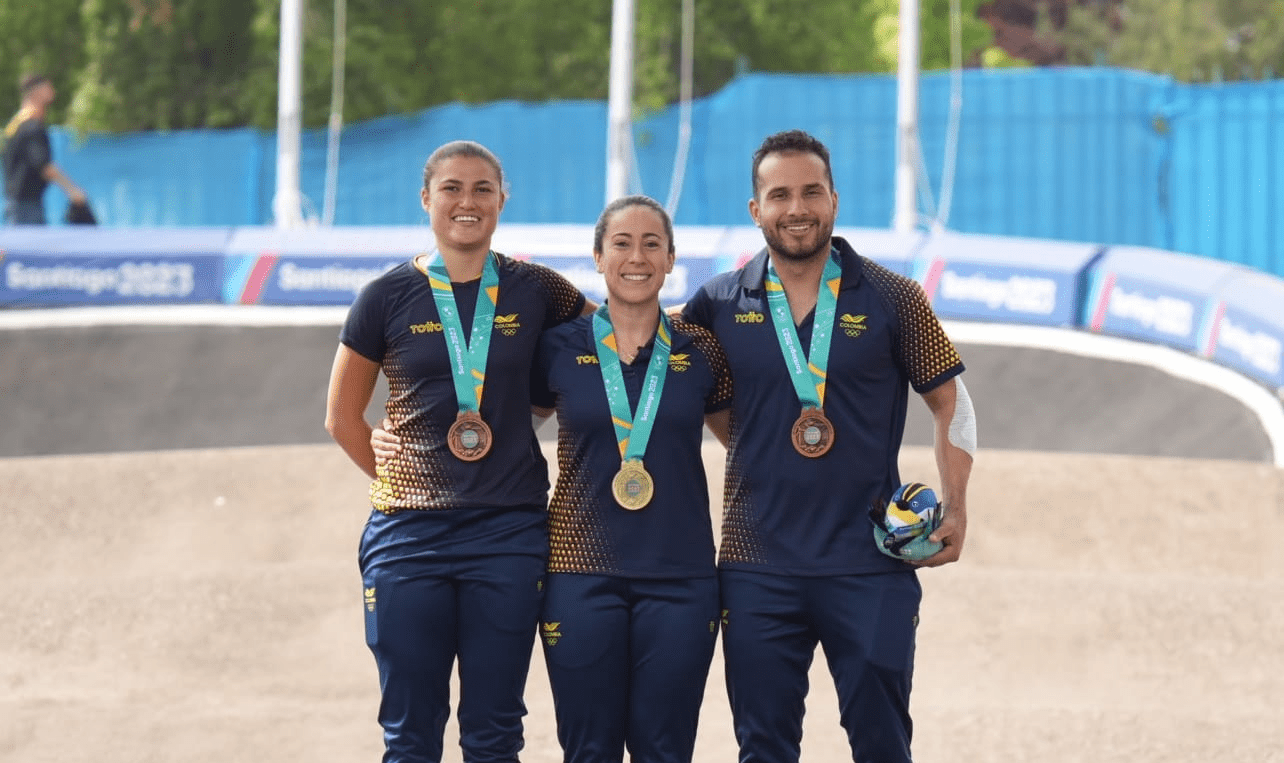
(813, 433)
(469, 437)
(632, 486)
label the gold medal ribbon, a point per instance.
(632, 429)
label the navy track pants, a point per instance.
(866, 625)
(628, 659)
(420, 618)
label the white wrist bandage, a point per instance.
(963, 424)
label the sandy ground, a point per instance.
(204, 605)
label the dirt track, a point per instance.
(203, 604)
(108, 389)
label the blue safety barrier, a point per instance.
(1229, 313)
(313, 266)
(1246, 329)
(1154, 295)
(987, 278)
(70, 266)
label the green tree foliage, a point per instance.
(407, 55)
(125, 65)
(162, 64)
(789, 36)
(935, 35)
(39, 36)
(1191, 40)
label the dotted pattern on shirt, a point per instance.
(564, 300)
(924, 349)
(707, 343)
(416, 479)
(577, 540)
(741, 540)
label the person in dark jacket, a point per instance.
(28, 161)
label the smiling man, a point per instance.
(824, 346)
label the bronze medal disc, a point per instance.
(813, 435)
(469, 437)
(632, 486)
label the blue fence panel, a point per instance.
(854, 115)
(379, 173)
(187, 177)
(656, 140)
(1086, 155)
(1226, 185)
(552, 155)
(1065, 155)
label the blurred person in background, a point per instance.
(28, 160)
(453, 553)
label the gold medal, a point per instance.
(813, 435)
(469, 437)
(633, 486)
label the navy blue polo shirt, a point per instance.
(394, 322)
(588, 531)
(26, 154)
(788, 514)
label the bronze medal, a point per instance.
(632, 486)
(813, 435)
(469, 437)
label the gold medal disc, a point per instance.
(813, 435)
(469, 437)
(632, 486)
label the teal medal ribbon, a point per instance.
(469, 437)
(812, 434)
(633, 487)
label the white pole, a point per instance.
(619, 132)
(906, 211)
(336, 112)
(684, 99)
(287, 206)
